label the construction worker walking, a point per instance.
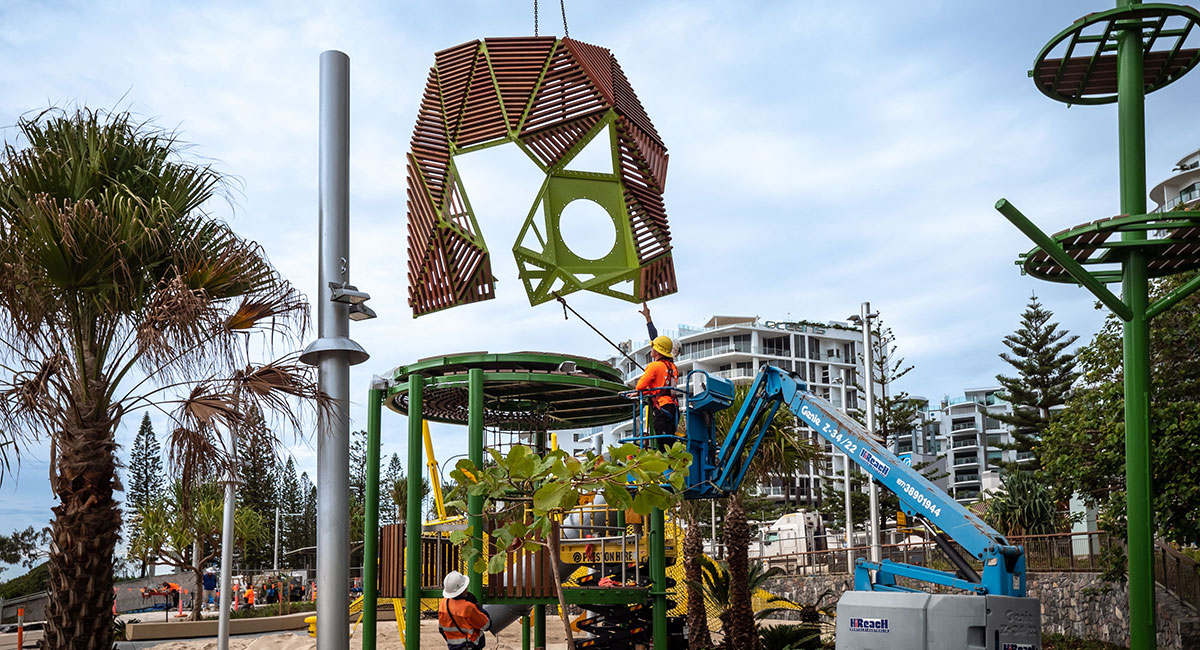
(461, 620)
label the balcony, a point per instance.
(734, 373)
(963, 426)
(969, 442)
(994, 441)
(1187, 196)
(966, 478)
(966, 461)
(967, 495)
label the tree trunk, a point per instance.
(79, 614)
(697, 614)
(197, 593)
(741, 633)
(555, 550)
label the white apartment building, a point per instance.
(824, 354)
(975, 437)
(1182, 190)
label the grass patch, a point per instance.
(275, 610)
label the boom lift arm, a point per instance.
(717, 473)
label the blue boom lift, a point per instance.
(880, 613)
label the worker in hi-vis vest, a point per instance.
(461, 620)
(660, 376)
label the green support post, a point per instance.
(1131, 125)
(525, 632)
(658, 574)
(539, 627)
(371, 519)
(412, 520)
(475, 454)
(539, 611)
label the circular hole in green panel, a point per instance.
(587, 229)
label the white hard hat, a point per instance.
(454, 584)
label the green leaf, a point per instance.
(497, 563)
(550, 496)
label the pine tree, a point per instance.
(387, 503)
(1045, 374)
(258, 472)
(146, 480)
(309, 518)
(291, 499)
(896, 413)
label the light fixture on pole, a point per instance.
(864, 320)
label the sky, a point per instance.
(822, 155)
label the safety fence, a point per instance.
(1069, 552)
(1057, 552)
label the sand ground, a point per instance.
(387, 638)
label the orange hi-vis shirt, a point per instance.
(659, 374)
(461, 622)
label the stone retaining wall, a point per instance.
(1077, 604)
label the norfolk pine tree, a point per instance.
(146, 483)
(1045, 373)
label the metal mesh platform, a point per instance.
(1172, 246)
(1079, 65)
(523, 391)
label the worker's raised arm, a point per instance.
(651, 330)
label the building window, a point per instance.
(779, 346)
(741, 343)
(959, 424)
(1190, 193)
(814, 348)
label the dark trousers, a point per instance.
(666, 420)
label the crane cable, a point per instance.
(562, 5)
(567, 307)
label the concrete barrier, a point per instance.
(208, 628)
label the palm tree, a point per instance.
(716, 586)
(782, 454)
(693, 552)
(120, 292)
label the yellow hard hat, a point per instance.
(662, 345)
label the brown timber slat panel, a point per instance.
(555, 92)
(391, 562)
(566, 93)
(453, 68)
(1102, 79)
(482, 118)
(518, 63)
(550, 144)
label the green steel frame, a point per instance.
(570, 399)
(1135, 49)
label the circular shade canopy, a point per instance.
(1079, 65)
(1172, 246)
(523, 391)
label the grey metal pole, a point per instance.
(333, 353)
(275, 562)
(227, 548)
(869, 362)
(849, 513)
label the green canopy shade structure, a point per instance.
(1120, 55)
(552, 97)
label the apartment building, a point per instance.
(1181, 191)
(975, 437)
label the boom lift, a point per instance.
(880, 613)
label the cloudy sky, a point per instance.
(822, 154)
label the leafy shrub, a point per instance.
(790, 637)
